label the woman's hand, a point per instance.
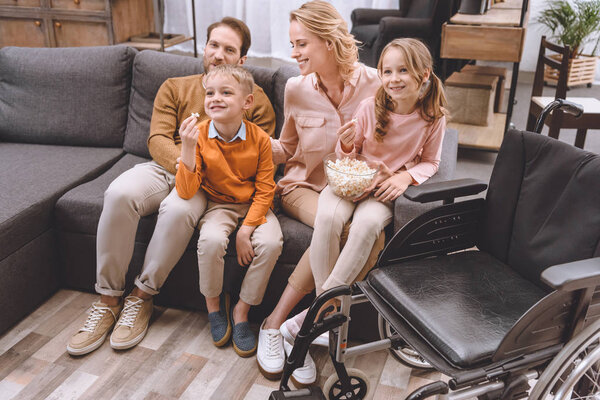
(243, 245)
(346, 134)
(188, 131)
(393, 187)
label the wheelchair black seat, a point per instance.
(463, 304)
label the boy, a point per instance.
(230, 161)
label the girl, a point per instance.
(402, 128)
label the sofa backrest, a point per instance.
(65, 96)
(150, 70)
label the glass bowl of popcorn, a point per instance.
(349, 176)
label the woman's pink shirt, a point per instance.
(410, 141)
(311, 124)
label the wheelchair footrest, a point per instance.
(309, 393)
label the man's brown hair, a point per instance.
(238, 26)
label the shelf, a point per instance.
(481, 137)
(154, 44)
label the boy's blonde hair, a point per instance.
(323, 20)
(432, 100)
(243, 77)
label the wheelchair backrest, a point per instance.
(543, 204)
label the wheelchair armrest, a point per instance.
(574, 275)
(446, 191)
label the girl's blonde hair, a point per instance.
(323, 20)
(432, 100)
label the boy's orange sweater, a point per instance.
(236, 172)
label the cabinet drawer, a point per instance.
(88, 5)
(78, 33)
(22, 32)
(20, 3)
(478, 42)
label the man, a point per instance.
(149, 187)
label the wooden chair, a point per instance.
(558, 119)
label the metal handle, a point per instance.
(57, 24)
(38, 23)
(567, 106)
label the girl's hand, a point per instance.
(243, 245)
(393, 187)
(346, 134)
(189, 137)
(383, 173)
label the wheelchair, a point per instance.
(501, 294)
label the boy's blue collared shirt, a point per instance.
(212, 133)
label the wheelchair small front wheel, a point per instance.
(405, 354)
(575, 371)
(359, 383)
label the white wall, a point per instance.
(533, 36)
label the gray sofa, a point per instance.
(72, 120)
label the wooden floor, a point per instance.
(176, 360)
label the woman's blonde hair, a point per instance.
(432, 100)
(323, 20)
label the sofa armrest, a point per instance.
(446, 191)
(369, 16)
(574, 275)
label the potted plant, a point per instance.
(574, 23)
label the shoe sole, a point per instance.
(272, 376)
(225, 339)
(244, 353)
(129, 344)
(87, 349)
(300, 385)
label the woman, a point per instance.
(318, 107)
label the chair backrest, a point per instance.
(559, 61)
(543, 204)
(420, 8)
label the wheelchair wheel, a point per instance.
(575, 372)
(405, 354)
(358, 380)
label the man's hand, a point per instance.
(393, 187)
(189, 137)
(346, 134)
(243, 245)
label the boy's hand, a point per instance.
(243, 245)
(346, 134)
(393, 187)
(189, 137)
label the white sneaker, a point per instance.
(305, 375)
(290, 328)
(269, 354)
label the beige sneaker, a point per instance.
(99, 322)
(132, 324)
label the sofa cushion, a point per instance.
(33, 177)
(279, 81)
(52, 96)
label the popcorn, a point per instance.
(195, 115)
(348, 177)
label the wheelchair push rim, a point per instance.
(404, 354)
(575, 371)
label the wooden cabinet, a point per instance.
(73, 23)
